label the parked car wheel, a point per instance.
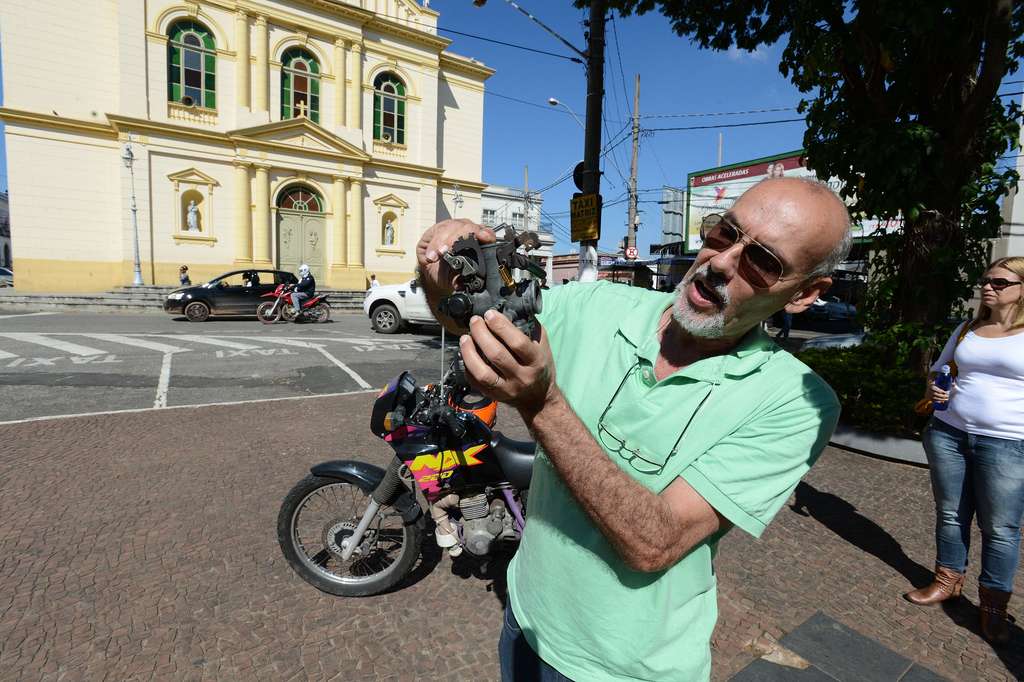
(197, 311)
(385, 319)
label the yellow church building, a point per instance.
(263, 132)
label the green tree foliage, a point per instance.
(902, 107)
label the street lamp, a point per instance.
(128, 157)
(557, 103)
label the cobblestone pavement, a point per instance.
(142, 546)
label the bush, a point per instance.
(874, 386)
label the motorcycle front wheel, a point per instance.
(315, 518)
(266, 314)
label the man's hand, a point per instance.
(508, 366)
(435, 275)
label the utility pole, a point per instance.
(526, 198)
(719, 149)
(592, 135)
(634, 217)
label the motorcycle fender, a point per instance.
(367, 476)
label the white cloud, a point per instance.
(759, 55)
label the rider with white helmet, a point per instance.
(304, 289)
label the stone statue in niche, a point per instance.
(192, 219)
(389, 233)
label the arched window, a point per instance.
(389, 108)
(301, 199)
(191, 65)
(300, 85)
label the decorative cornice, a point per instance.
(407, 167)
(394, 28)
(193, 175)
(462, 184)
(20, 116)
(465, 66)
(391, 200)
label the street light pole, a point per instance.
(592, 135)
(594, 54)
(558, 103)
(128, 157)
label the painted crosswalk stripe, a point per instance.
(215, 342)
(55, 344)
(4, 355)
(323, 351)
(139, 343)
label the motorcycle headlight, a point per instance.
(177, 296)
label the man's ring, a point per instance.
(494, 384)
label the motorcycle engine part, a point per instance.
(445, 531)
(484, 282)
(478, 535)
(473, 507)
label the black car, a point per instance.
(234, 293)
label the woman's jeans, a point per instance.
(519, 663)
(977, 475)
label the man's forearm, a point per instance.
(645, 532)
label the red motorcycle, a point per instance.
(315, 308)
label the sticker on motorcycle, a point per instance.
(429, 470)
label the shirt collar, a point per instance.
(639, 329)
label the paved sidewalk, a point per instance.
(142, 546)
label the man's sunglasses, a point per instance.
(997, 283)
(758, 264)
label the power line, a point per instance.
(518, 47)
(728, 125)
(527, 102)
(718, 113)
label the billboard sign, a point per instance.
(716, 189)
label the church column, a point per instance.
(355, 90)
(340, 241)
(242, 65)
(357, 232)
(260, 87)
(261, 218)
(340, 74)
(243, 214)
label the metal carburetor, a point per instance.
(485, 280)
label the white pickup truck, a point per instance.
(391, 306)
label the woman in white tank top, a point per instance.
(975, 450)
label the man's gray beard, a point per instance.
(694, 322)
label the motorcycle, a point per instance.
(314, 309)
(353, 529)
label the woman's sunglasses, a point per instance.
(758, 264)
(997, 283)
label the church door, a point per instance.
(300, 232)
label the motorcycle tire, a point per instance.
(311, 546)
(266, 314)
(322, 313)
(288, 313)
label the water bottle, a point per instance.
(943, 381)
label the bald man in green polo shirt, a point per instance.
(662, 421)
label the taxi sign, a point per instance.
(585, 210)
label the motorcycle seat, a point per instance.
(515, 458)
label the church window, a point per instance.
(389, 108)
(191, 65)
(301, 199)
(300, 85)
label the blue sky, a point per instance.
(676, 77)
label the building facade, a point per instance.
(500, 205)
(265, 133)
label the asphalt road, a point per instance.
(84, 363)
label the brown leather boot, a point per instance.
(993, 615)
(946, 585)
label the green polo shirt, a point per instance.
(752, 423)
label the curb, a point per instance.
(890, 448)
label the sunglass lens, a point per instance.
(721, 236)
(764, 268)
